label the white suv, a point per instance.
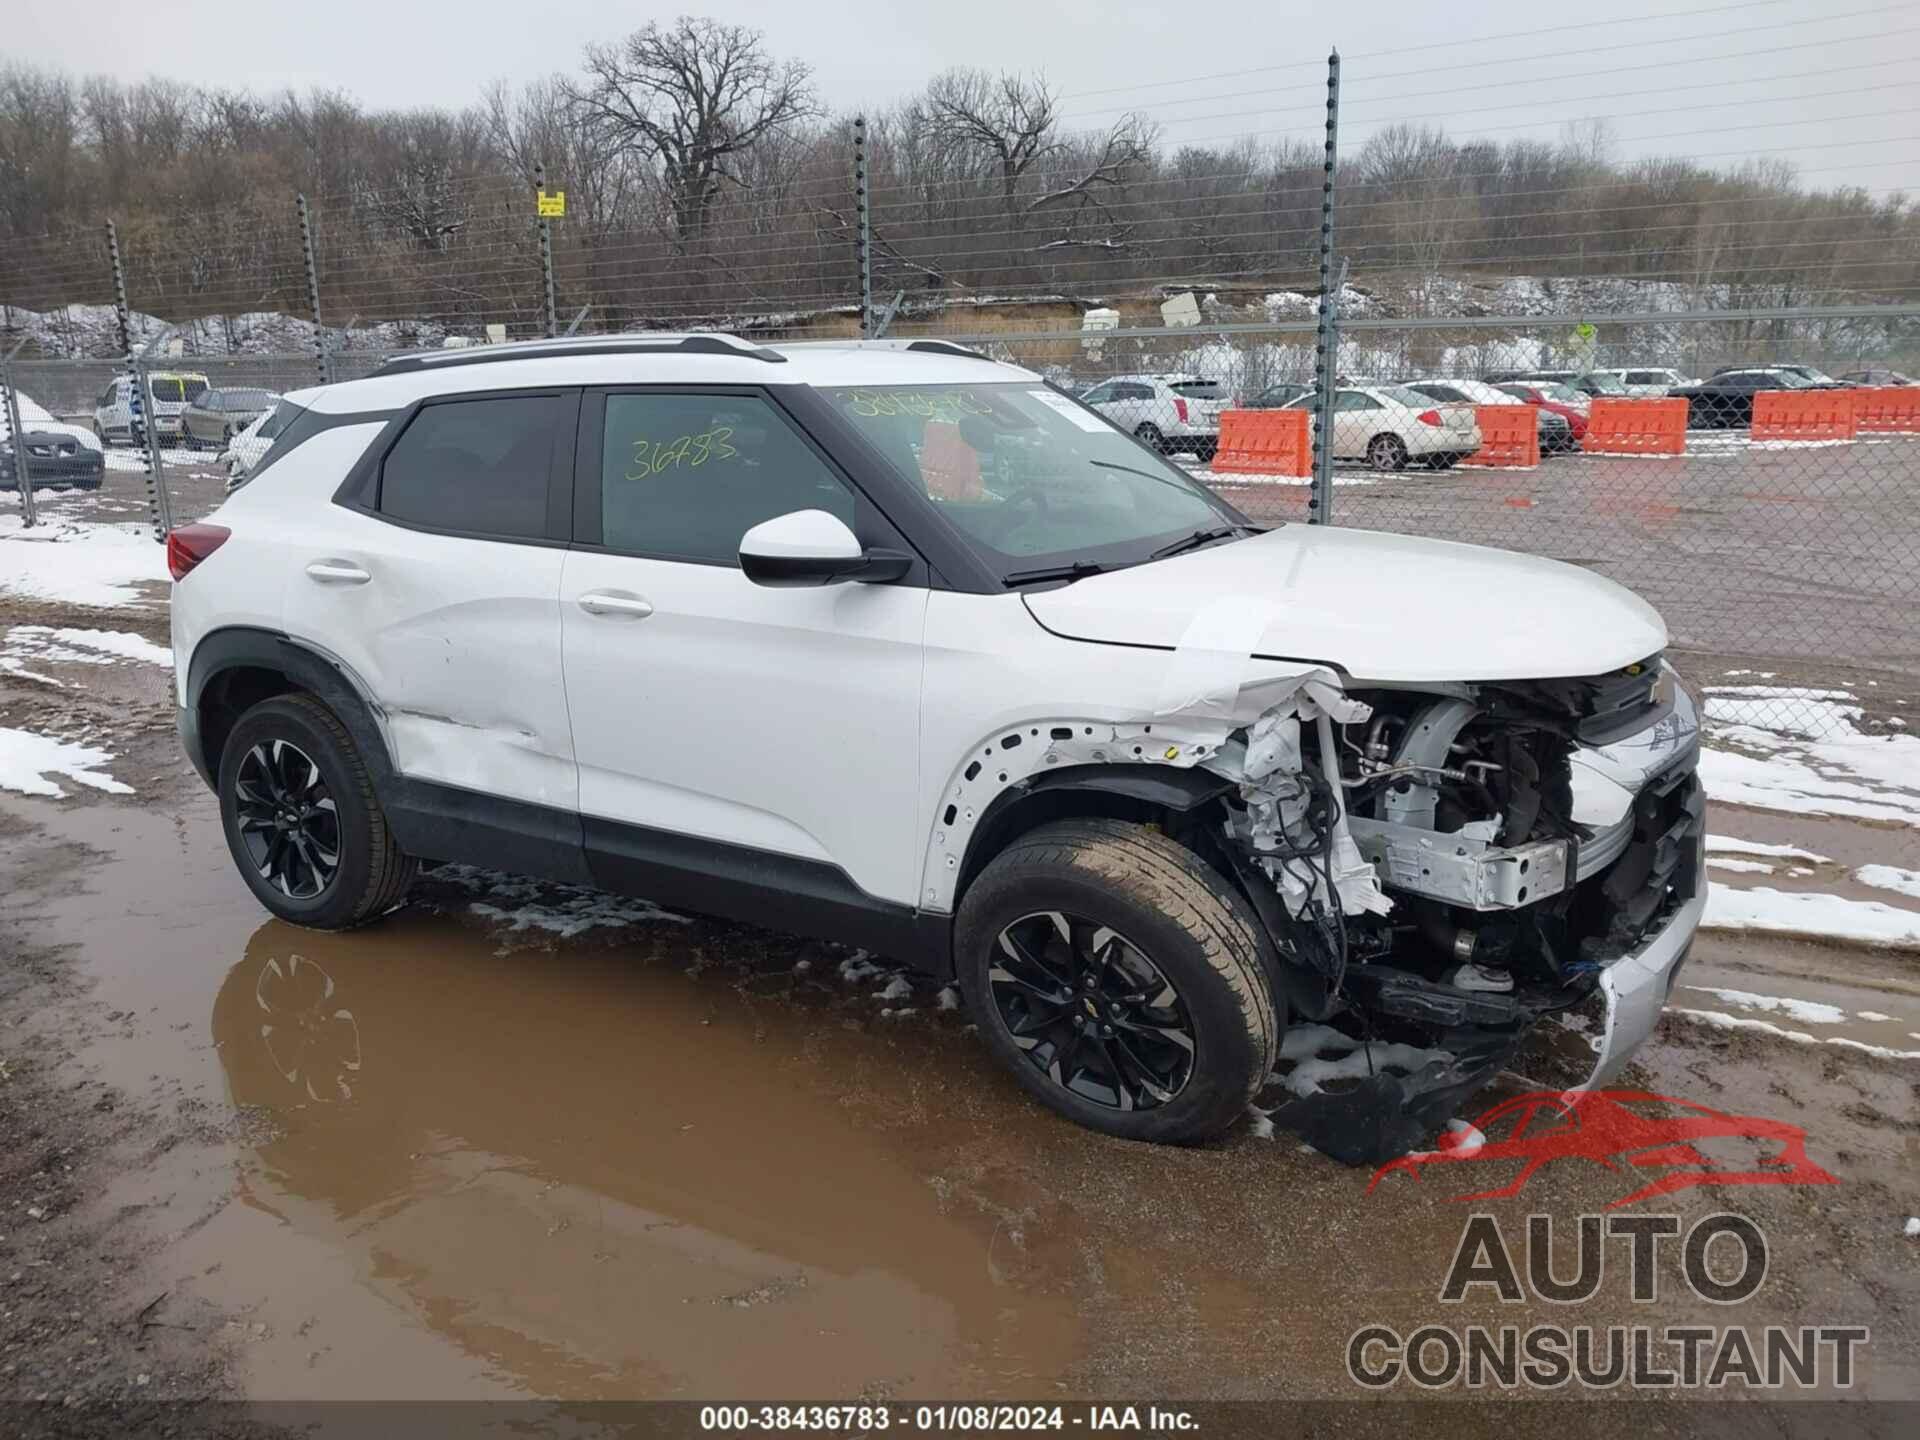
(898, 646)
(1169, 412)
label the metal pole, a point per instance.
(142, 398)
(863, 239)
(546, 252)
(17, 437)
(1320, 500)
(579, 316)
(322, 360)
(159, 503)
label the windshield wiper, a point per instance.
(1143, 474)
(1072, 570)
(1194, 541)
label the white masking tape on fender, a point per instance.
(1210, 663)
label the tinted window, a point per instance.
(687, 475)
(245, 399)
(1199, 389)
(1099, 393)
(475, 465)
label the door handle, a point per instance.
(615, 603)
(337, 572)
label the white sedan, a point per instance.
(1388, 425)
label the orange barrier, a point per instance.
(949, 466)
(1509, 436)
(1265, 442)
(1636, 427)
(1888, 409)
(1803, 415)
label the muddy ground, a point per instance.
(519, 1141)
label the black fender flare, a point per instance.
(306, 666)
(1151, 786)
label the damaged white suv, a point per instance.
(898, 646)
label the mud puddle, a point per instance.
(517, 1140)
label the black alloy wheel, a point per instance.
(288, 821)
(1091, 1011)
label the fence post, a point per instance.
(157, 505)
(158, 501)
(18, 438)
(322, 360)
(546, 250)
(863, 233)
(1320, 498)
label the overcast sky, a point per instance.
(1834, 89)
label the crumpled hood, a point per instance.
(1383, 608)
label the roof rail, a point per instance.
(638, 344)
(924, 347)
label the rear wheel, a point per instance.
(1387, 452)
(302, 821)
(1206, 450)
(1150, 435)
(1118, 977)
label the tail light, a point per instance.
(1180, 409)
(1428, 417)
(190, 544)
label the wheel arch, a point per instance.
(1170, 798)
(234, 669)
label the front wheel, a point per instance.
(1150, 436)
(1387, 452)
(1118, 977)
(302, 821)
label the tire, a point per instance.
(370, 872)
(1387, 452)
(1150, 436)
(1156, 902)
(1206, 450)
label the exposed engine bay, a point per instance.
(1440, 869)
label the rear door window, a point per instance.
(1199, 389)
(478, 466)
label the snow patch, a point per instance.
(1745, 867)
(1890, 877)
(81, 564)
(1321, 1054)
(1720, 1021)
(27, 759)
(1807, 1012)
(93, 647)
(1804, 912)
(1760, 847)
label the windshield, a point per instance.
(1813, 374)
(176, 388)
(1030, 477)
(245, 399)
(1605, 383)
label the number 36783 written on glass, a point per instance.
(653, 457)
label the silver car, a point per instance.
(216, 416)
(1169, 412)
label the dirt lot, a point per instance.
(519, 1141)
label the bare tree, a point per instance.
(692, 98)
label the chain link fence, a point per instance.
(1482, 333)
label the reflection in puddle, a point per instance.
(306, 1038)
(605, 1179)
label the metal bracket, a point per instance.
(1461, 870)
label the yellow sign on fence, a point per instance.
(552, 202)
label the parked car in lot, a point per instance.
(1556, 435)
(1813, 376)
(893, 644)
(247, 448)
(1650, 383)
(1169, 412)
(1877, 375)
(1556, 399)
(1388, 425)
(1588, 383)
(1726, 400)
(1275, 397)
(120, 415)
(214, 417)
(57, 454)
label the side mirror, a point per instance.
(811, 547)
